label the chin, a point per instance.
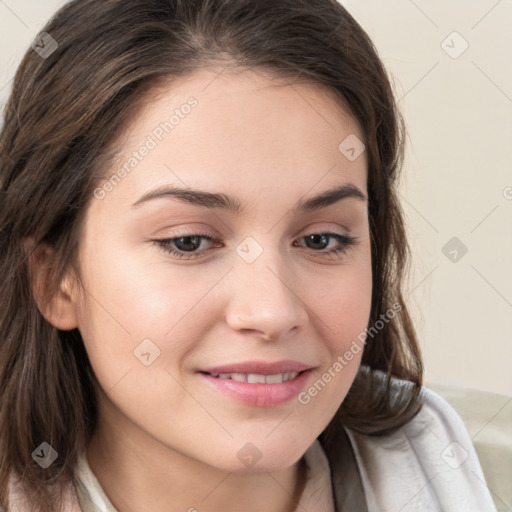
(261, 456)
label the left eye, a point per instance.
(186, 247)
(320, 239)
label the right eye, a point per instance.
(185, 246)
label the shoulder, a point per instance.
(429, 464)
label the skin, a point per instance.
(165, 440)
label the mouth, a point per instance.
(258, 389)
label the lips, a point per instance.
(258, 383)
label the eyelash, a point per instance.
(345, 242)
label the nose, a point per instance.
(265, 298)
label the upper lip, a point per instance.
(260, 367)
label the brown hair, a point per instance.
(63, 115)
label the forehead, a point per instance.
(240, 96)
(247, 130)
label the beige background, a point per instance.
(458, 171)
(458, 176)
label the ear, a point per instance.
(58, 307)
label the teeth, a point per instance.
(274, 379)
(255, 378)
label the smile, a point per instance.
(256, 389)
(255, 378)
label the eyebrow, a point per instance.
(233, 204)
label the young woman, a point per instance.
(202, 254)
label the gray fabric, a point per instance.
(346, 481)
(488, 418)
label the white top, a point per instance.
(429, 465)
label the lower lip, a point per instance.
(260, 395)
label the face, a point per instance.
(254, 281)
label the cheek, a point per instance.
(142, 297)
(348, 308)
(136, 327)
(345, 314)
(342, 304)
(342, 301)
